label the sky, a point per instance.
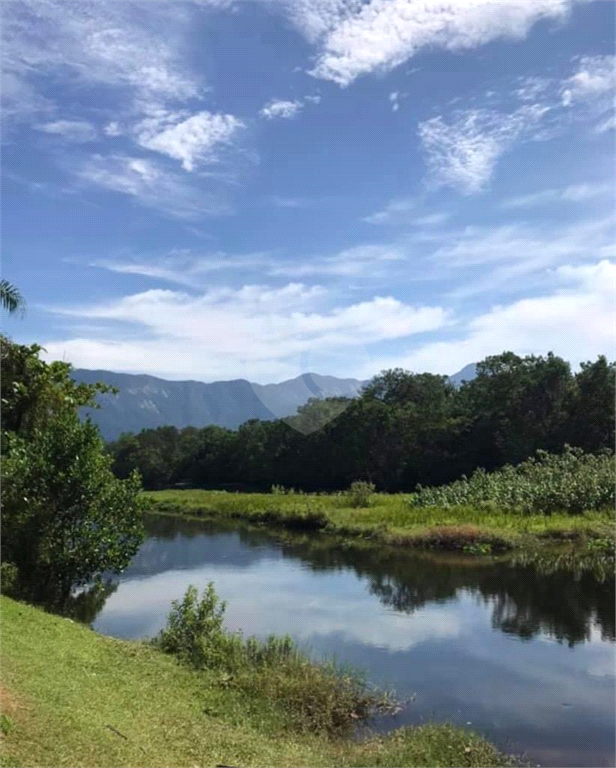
(257, 189)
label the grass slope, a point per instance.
(388, 519)
(73, 697)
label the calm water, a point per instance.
(525, 657)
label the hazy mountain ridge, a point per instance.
(145, 402)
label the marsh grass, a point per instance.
(390, 518)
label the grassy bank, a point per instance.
(73, 697)
(389, 519)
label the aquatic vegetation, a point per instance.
(571, 481)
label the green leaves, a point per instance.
(572, 481)
(66, 518)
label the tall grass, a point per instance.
(571, 482)
(314, 697)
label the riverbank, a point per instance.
(73, 697)
(390, 520)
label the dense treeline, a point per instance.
(404, 429)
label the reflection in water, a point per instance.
(528, 597)
(520, 648)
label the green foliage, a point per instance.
(314, 697)
(8, 577)
(360, 493)
(194, 631)
(404, 429)
(10, 298)
(65, 517)
(571, 481)
(6, 724)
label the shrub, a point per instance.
(572, 481)
(360, 493)
(8, 578)
(314, 697)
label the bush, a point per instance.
(65, 518)
(572, 481)
(8, 578)
(314, 697)
(360, 493)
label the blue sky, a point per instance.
(218, 189)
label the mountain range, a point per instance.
(145, 402)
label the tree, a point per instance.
(66, 519)
(10, 298)
(592, 410)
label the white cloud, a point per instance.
(394, 210)
(595, 77)
(223, 331)
(72, 130)
(190, 140)
(113, 129)
(280, 108)
(516, 257)
(357, 38)
(99, 43)
(606, 124)
(184, 268)
(368, 260)
(150, 184)
(575, 193)
(462, 153)
(575, 320)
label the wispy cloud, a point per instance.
(194, 270)
(280, 108)
(356, 38)
(574, 193)
(184, 268)
(394, 210)
(286, 109)
(462, 152)
(150, 184)
(594, 79)
(191, 140)
(79, 131)
(367, 260)
(514, 258)
(105, 43)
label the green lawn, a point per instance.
(389, 518)
(72, 697)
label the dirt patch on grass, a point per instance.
(456, 537)
(10, 703)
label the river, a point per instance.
(524, 655)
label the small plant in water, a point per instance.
(478, 549)
(360, 493)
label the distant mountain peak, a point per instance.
(147, 402)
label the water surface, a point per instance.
(523, 655)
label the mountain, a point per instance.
(145, 402)
(466, 374)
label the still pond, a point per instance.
(522, 653)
